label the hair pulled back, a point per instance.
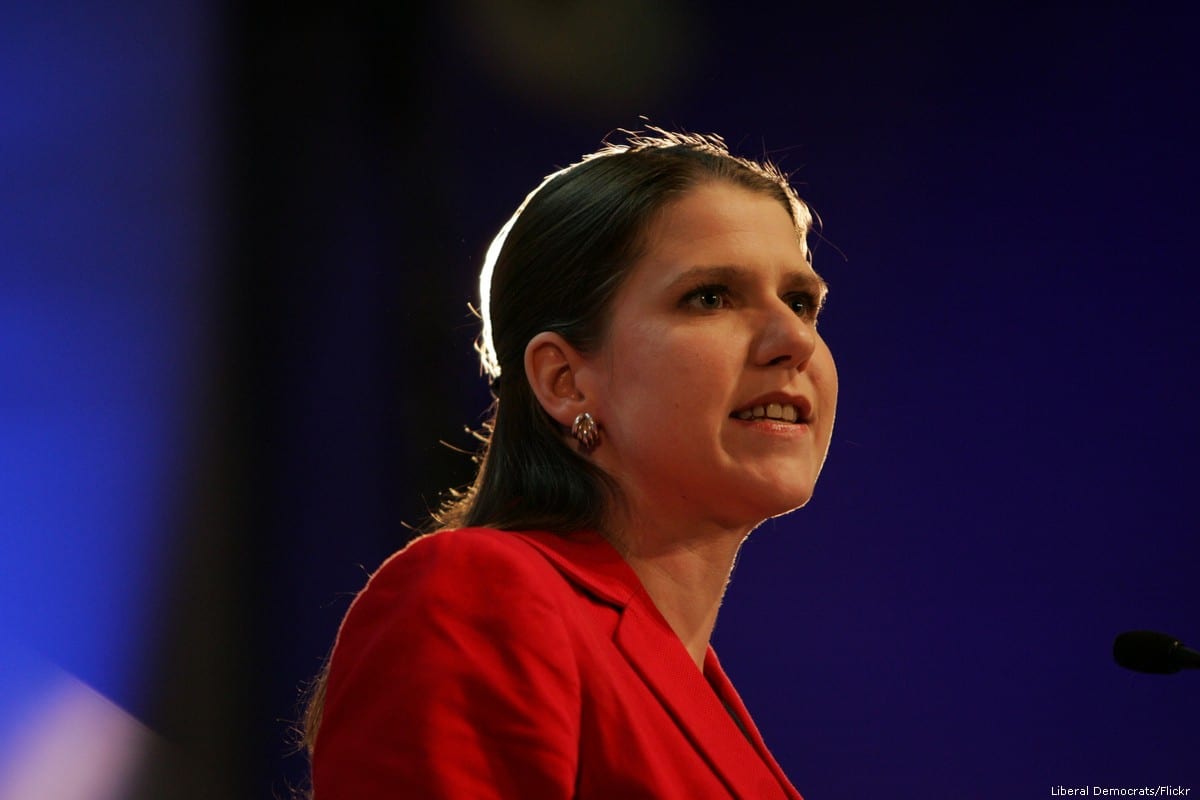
(556, 265)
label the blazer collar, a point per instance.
(697, 701)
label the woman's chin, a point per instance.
(779, 503)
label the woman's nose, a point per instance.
(785, 339)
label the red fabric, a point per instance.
(488, 664)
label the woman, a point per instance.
(649, 323)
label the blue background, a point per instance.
(238, 249)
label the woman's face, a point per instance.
(715, 391)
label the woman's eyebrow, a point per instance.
(809, 281)
(795, 280)
(709, 274)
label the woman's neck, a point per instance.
(685, 574)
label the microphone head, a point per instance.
(1147, 651)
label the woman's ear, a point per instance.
(551, 365)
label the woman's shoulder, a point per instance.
(480, 541)
(455, 650)
(460, 553)
(485, 587)
(471, 570)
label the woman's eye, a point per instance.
(804, 305)
(707, 298)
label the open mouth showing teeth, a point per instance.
(783, 412)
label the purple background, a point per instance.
(238, 248)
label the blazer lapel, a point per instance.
(725, 691)
(696, 706)
(645, 638)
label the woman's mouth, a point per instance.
(782, 412)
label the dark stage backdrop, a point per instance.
(239, 244)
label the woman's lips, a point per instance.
(780, 412)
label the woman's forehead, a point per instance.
(725, 227)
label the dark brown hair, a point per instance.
(556, 266)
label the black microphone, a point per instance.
(1154, 652)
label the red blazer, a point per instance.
(487, 664)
